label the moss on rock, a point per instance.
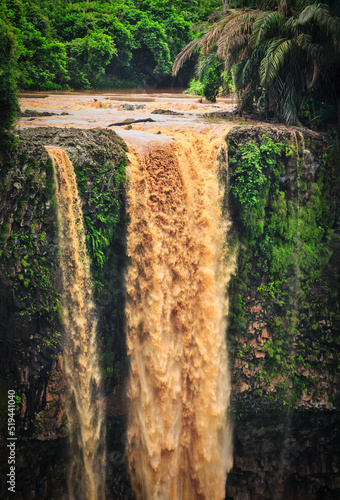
(284, 313)
(30, 281)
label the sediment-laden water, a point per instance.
(179, 443)
(86, 476)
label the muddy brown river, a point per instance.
(168, 111)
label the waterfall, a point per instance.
(86, 478)
(179, 442)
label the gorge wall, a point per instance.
(31, 332)
(283, 321)
(283, 194)
(283, 187)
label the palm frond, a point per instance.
(263, 25)
(246, 70)
(203, 64)
(210, 38)
(231, 42)
(232, 24)
(228, 13)
(290, 100)
(230, 32)
(200, 27)
(277, 54)
(315, 55)
(303, 40)
(319, 13)
(313, 11)
(216, 15)
(184, 55)
(290, 27)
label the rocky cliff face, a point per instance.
(283, 315)
(30, 328)
(286, 456)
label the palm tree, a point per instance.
(277, 54)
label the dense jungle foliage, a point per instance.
(284, 56)
(103, 43)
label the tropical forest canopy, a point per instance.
(281, 56)
(103, 43)
(284, 56)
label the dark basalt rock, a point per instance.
(30, 112)
(166, 112)
(30, 281)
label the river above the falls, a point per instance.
(165, 110)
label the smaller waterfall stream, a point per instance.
(86, 479)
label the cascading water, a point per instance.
(179, 443)
(86, 479)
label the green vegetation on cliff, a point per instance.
(284, 311)
(30, 281)
(29, 275)
(26, 258)
(102, 189)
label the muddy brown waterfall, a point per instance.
(86, 477)
(179, 444)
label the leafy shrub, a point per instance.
(8, 67)
(195, 87)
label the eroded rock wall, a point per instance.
(284, 317)
(30, 327)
